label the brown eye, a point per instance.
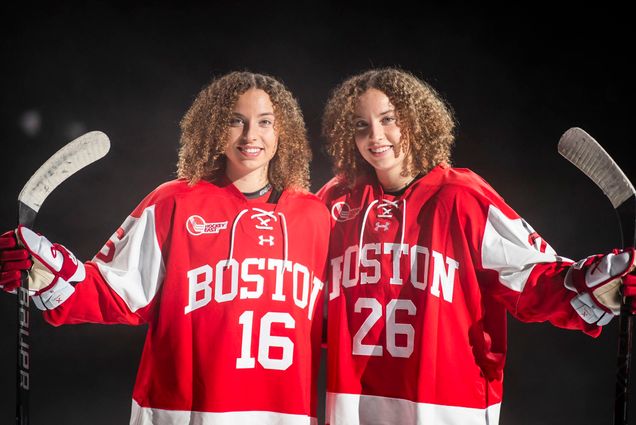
(360, 125)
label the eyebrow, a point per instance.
(382, 113)
(264, 114)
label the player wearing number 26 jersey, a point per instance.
(419, 289)
(425, 262)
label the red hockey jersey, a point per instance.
(419, 289)
(231, 291)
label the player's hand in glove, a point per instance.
(600, 281)
(53, 268)
(14, 259)
(629, 290)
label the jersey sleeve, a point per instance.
(517, 267)
(124, 279)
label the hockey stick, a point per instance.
(588, 156)
(64, 163)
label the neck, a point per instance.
(392, 180)
(250, 181)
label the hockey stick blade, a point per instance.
(587, 155)
(64, 163)
(76, 155)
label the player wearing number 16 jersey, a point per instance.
(425, 261)
(225, 265)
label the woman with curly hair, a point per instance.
(425, 262)
(225, 265)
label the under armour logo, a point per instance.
(264, 217)
(269, 239)
(384, 226)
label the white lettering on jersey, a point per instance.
(224, 282)
(415, 262)
(373, 264)
(350, 260)
(256, 278)
(199, 280)
(347, 272)
(336, 276)
(277, 265)
(441, 275)
(301, 272)
(396, 250)
(221, 266)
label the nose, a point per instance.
(376, 132)
(249, 132)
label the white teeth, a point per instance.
(380, 149)
(250, 150)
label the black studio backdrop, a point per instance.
(515, 83)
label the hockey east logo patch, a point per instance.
(196, 225)
(341, 211)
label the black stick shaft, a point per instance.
(627, 219)
(623, 366)
(26, 217)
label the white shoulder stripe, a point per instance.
(136, 270)
(507, 250)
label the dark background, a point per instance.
(516, 80)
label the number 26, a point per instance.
(393, 329)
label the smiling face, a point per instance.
(253, 139)
(377, 137)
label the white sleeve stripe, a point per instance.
(136, 271)
(507, 250)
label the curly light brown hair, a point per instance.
(426, 123)
(205, 130)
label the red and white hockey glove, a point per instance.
(13, 260)
(600, 282)
(54, 269)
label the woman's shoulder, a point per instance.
(335, 188)
(178, 188)
(462, 180)
(304, 197)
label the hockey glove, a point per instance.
(598, 280)
(13, 260)
(54, 269)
